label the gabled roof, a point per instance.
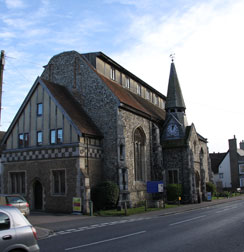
(73, 109)
(134, 101)
(174, 95)
(201, 138)
(188, 130)
(216, 159)
(63, 99)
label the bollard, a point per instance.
(91, 207)
(145, 205)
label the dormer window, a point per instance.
(156, 100)
(39, 109)
(147, 95)
(112, 73)
(127, 82)
(138, 89)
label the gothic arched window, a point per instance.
(139, 154)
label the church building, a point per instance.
(87, 119)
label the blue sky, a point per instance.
(206, 37)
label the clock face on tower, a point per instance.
(172, 130)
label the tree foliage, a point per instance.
(210, 187)
(105, 195)
(173, 191)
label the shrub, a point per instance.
(173, 192)
(210, 187)
(105, 195)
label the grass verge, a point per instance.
(130, 211)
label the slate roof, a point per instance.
(73, 109)
(134, 101)
(216, 159)
(174, 95)
(240, 152)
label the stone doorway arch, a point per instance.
(38, 195)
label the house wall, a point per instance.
(189, 156)
(116, 125)
(38, 164)
(82, 161)
(224, 168)
(178, 159)
(42, 171)
(127, 124)
(52, 118)
(96, 99)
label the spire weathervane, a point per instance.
(172, 56)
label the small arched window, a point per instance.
(139, 154)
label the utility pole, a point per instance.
(2, 63)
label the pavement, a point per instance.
(47, 223)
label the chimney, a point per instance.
(242, 145)
(234, 163)
(232, 144)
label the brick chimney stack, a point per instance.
(234, 163)
(242, 145)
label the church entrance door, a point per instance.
(37, 195)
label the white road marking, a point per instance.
(226, 209)
(107, 240)
(179, 222)
(105, 224)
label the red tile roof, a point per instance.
(133, 100)
(73, 109)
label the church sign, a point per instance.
(76, 204)
(155, 186)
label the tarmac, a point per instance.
(42, 221)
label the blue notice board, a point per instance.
(154, 186)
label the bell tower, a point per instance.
(176, 120)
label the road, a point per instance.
(214, 229)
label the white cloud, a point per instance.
(208, 43)
(14, 4)
(7, 35)
(17, 23)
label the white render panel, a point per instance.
(224, 168)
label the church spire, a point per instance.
(174, 95)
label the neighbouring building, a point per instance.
(86, 120)
(228, 167)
